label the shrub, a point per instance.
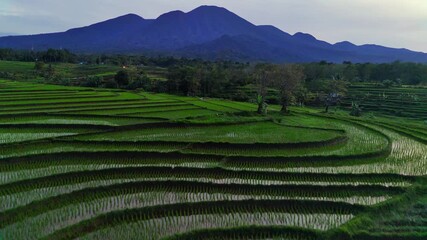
(142, 82)
(91, 81)
(355, 110)
(387, 83)
(122, 78)
(110, 84)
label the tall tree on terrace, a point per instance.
(263, 74)
(193, 82)
(122, 78)
(335, 89)
(288, 78)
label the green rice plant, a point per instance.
(97, 96)
(9, 177)
(63, 146)
(124, 108)
(225, 118)
(19, 137)
(12, 201)
(103, 97)
(85, 109)
(72, 214)
(204, 208)
(141, 112)
(347, 193)
(16, 133)
(161, 228)
(56, 198)
(23, 192)
(75, 106)
(239, 106)
(361, 138)
(55, 95)
(407, 157)
(250, 232)
(211, 106)
(314, 148)
(264, 132)
(417, 134)
(181, 114)
(22, 168)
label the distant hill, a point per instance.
(207, 32)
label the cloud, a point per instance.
(396, 23)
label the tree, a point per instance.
(184, 80)
(263, 74)
(39, 66)
(142, 82)
(288, 78)
(335, 89)
(122, 78)
(92, 81)
(301, 95)
(194, 82)
(110, 84)
(49, 73)
(350, 72)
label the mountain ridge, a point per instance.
(208, 32)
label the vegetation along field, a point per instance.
(92, 163)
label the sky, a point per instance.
(393, 23)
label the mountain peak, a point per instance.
(215, 12)
(204, 10)
(171, 15)
(130, 16)
(304, 36)
(345, 45)
(209, 8)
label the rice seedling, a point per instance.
(407, 157)
(265, 132)
(164, 227)
(19, 137)
(178, 114)
(344, 193)
(205, 208)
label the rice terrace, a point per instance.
(101, 163)
(208, 127)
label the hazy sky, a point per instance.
(394, 23)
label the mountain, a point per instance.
(4, 34)
(109, 35)
(206, 32)
(177, 29)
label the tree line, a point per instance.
(393, 73)
(320, 83)
(264, 84)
